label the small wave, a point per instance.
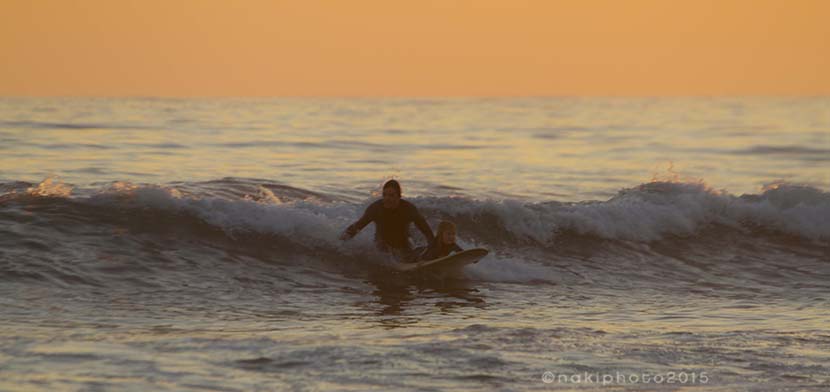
(50, 125)
(162, 145)
(351, 144)
(72, 146)
(34, 125)
(800, 151)
(495, 268)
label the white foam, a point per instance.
(306, 222)
(494, 268)
(51, 187)
(653, 211)
(645, 213)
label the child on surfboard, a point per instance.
(443, 244)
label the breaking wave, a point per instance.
(531, 241)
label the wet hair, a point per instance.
(444, 226)
(394, 185)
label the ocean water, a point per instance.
(636, 244)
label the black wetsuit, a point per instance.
(392, 224)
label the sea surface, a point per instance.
(636, 244)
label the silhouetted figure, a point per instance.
(392, 217)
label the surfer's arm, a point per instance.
(354, 228)
(422, 224)
(430, 251)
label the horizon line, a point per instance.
(460, 97)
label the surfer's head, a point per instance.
(446, 232)
(391, 194)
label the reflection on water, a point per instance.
(396, 293)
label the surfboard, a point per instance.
(453, 262)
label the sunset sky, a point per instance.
(414, 48)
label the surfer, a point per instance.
(392, 217)
(443, 244)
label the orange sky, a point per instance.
(414, 48)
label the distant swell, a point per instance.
(33, 125)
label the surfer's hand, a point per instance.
(348, 233)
